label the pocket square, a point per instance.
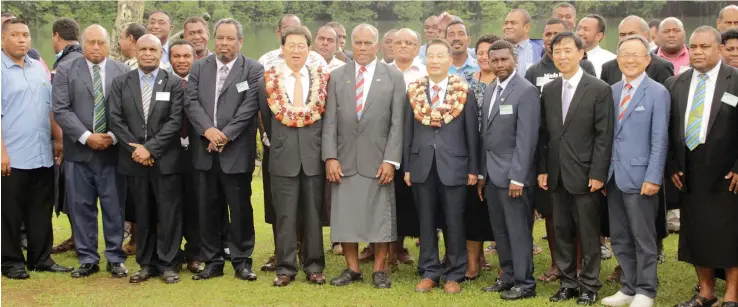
(640, 108)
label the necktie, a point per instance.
(624, 102)
(146, 96)
(694, 121)
(222, 75)
(297, 99)
(360, 92)
(185, 121)
(99, 124)
(498, 100)
(436, 99)
(566, 99)
(519, 52)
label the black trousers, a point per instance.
(577, 215)
(237, 191)
(27, 198)
(158, 206)
(190, 223)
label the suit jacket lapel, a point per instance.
(161, 81)
(721, 86)
(578, 95)
(134, 84)
(683, 94)
(84, 73)
(351, 84)
(380, 72)
(505, 93)
(238, 67)
(486, 103)
(635, 101)
(556, 100)
(209, 72)
(111, 71)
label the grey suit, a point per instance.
(89, 174)
(509, 140)
(296, 172)
(228, 172)
(361, 209)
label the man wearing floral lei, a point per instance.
(292, 99)
(441, 152)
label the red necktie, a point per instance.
(624, 102)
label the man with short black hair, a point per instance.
(387, 54)
(161, 25)
(653, 31)
(516, 28)
(275, 57)
(64, 40)
(672, 48)
(326, 44)
(196, 32)
(730, 51)
(345, 55)
(127, 43)
(566, 12)
(591, 30)
(458, 37)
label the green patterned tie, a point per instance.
(99, 123)
(694, 121)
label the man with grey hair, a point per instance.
(641, 130)
(728, 18)
(517, 31)
(79, 90)
(275, 57)
(387, 55)
(405, 48)
(672, 45)
(222, 103)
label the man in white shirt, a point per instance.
(326, 44)
(591, 30)
(274, 58)
(405, 48)
(161, 25)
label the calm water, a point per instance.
(260, 38)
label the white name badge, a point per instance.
(541, 81)
(729, 99)
(243, 86)
(506, 109)
(162, 96)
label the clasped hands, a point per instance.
(141, 155)
(217, 139)
(385, 173)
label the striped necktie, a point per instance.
(360, 92)
(99, 123)
(146, 96)
(694, 121)
(625, 101)
(435, 100)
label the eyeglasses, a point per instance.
(297, 47)
(405, 42)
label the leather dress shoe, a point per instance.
(451, 287)
(16, 273)
(498, 286)
(698, 301)
(210, 271)
(65, 246)
(381, 280)
(117, 270)
(347, 277)
(587, 297)
(170, 277)
(245, 274)
(283, 280)
(270, 265)
(516, 293)
(54, 268)
(367, 254)
(729, 304)
(425, 285)
(144, 274)
(564, 294)
(316, 278)
(85, 270)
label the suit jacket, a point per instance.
(236, 113)
(362, 145)
(291, 148)
(580, 148)
(658, 70)
(160, 135)
(74, 104)
(641, 138)
(509, 141)
(453, 146)
(720, 146)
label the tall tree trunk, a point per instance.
(129, 11)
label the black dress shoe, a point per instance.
(117, 270)
(170, 277)
(54, 268)
(210, 271)
(587, 298)
(698, 301)
(498, 286)
(381, 280)
(144, 274)
(516, 293)
(564, 294)
(86, 270)
(347, 276)
(245, 274)
(16, 273)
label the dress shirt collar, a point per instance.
(303, 72)
(525, 44)
(441, 84)
(101, 64)
(369, 67)
(153, 74)
(416, 64)
(504, 84)
(711, 75)
(9, 62)
(636, 82)
(230, 64)
(574, 80)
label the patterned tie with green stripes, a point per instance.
(99, 123)
(694, 121)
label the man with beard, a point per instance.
(672, 48)
(326, 44)
(161, 25)
(591, 30)
(196, 32)
(458, 38)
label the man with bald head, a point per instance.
(145, 114)
(387, 54)
(80, 88)
(728, 18)
(671, 38)
(275, 57)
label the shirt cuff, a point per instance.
(115, 141)
(397, 165)
(517, 183)
(83, 139)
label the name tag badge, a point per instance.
(243, 86)
(162, 96)
(541, 81)
(729, 99)
(506, 110)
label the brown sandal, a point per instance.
(550, 276)
(65, 246)
(615, 276)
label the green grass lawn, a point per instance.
(47, 289)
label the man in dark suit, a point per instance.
(221, 103)
(145, 114)
(296, 168)
(90, 154)
(510, 124)
(703, 164)
(441, 152)
(574, 155)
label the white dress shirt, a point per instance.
(218, 66)
(441, 92)
(83, 139)
(599, 56)
(368, 76)
(415, 71)
(290, 81)
(710, 83)
(335, 63)
(574, 82)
